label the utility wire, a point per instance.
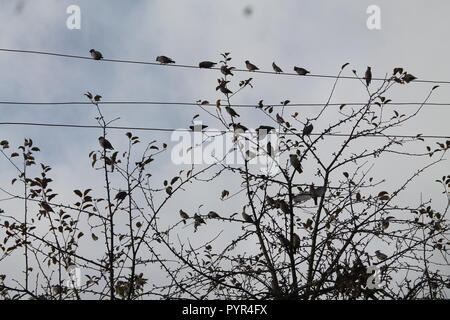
(80, 126)
(196, 67)
(165, 103)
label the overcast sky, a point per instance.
(320, 35)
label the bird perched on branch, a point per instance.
(250, 66)
(276, 68)
(295, 163)
(380, 255)
(307, 130)
(317, 193)
(368, 76)
(213, 215)
(105, 144)
(121, 195)
(198, 220)
(247, 218)
(184, 216)
(206, 64)
(283, 206)
(164, 60)
(301, 71)
(96, 55)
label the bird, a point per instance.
(213, 215)
(283, 206)
(380, 255)
(250, 66)
(295, 163)
(198, 220)
(301, 197)
(247, 218)
(368, 76)
(184, 215)
(121, 195)
(226, 71)
(105, 144)
(231, 112)
(316, 193)
(301, 71)
(206, 64)
(46, 206)
(276, 68)
(164, 60)
(307, 130)
(283, 240)
(408, 78)
(296, 242)
(96, 55)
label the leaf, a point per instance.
(14, 154)
(342, 106)
(94, 237)
(80, 235)
(78, 193)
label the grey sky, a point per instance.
(317, 34)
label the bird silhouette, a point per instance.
(184, 216)
(105, 144)
(276, 68)
(206, 64)
(317, 193)
(380, 255)
(250, 66)
(213, 215)
(295, 163)
(121, 195)
(96, 55)
(247, 218)
(368, 76)
(301, 71)
(307, 130)
(164, 60)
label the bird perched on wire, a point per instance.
(307, 130)
(295, 163)
(96, 55)
(380, 255)
(317, 193)
(213, 215)
(164, 60)
(247, 218)
(368, 76)
(250, 66)
(121, 195)
(226, 71)
(276, 68)
(301, 71)
(105, 144)
(206, 64)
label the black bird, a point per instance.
(276, 68)
(96, 55)
(105, 144)
(164, 59)
(206, 64)
(368, 76)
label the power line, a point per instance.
(80, 126)
(214, 68)
(165, 103)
